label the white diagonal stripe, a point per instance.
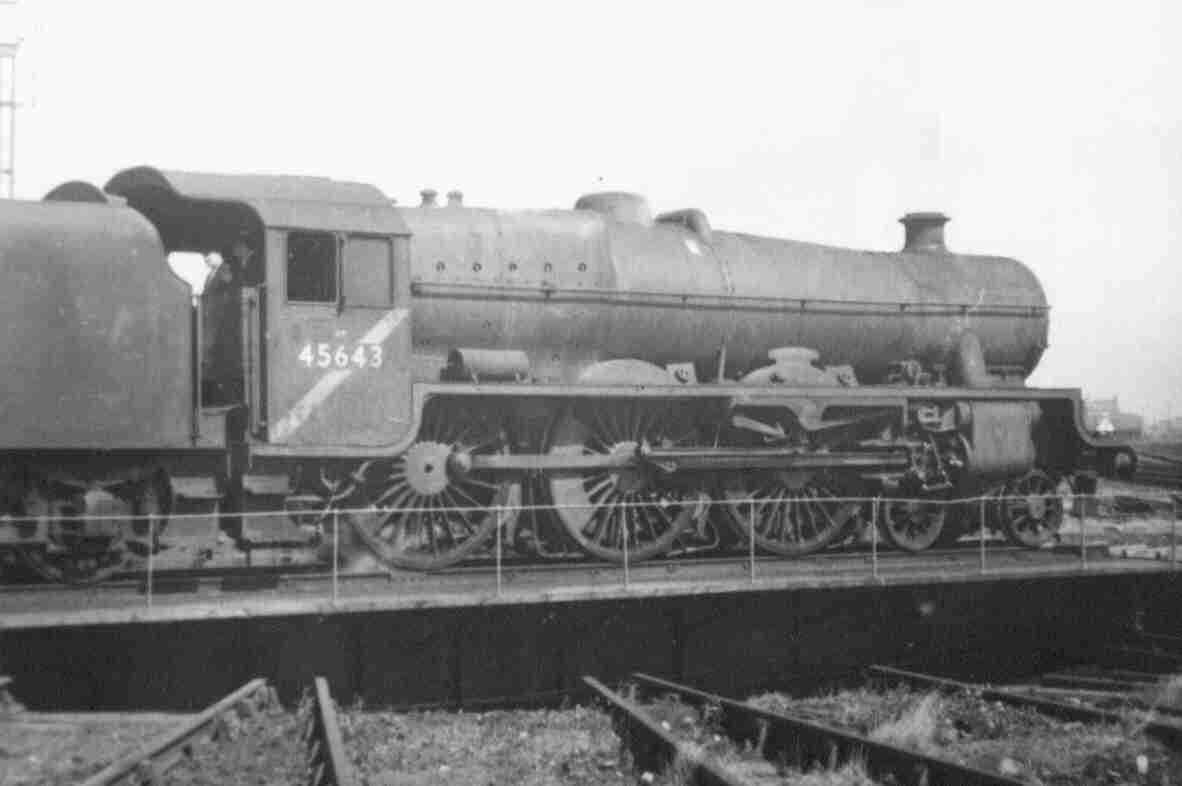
(324, 387)
(385, 326)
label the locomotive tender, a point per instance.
(589, 377)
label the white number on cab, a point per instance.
(324, 355)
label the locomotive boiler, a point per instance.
(442, 375)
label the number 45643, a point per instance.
(324, 355)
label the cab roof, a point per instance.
(277, 200)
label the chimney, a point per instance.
(455, 198)
(428, 195)
(924, 233)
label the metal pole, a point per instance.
(151, 552)
(336, 553)
(874, 536)
(751, 543)
(500, 521)
(981, 534)
(1081, 501)
(624, 529)
(1174, 535)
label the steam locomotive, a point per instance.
(440, 375)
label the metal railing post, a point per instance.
(336, 553)
(1174, 534)
(874, 514)
(500, 523)
(1081, 501)
(151, 555)
(624, 529)
(751, 543)
(981, 533)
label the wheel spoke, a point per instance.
(395, 495)
(648, 522)
(604, 432)
(472, 479)
(605, 482)
(466, 500)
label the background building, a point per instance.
(1103, 416)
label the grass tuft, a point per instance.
(916, 727)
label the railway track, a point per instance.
(778, 738)
(1131, 685)
(149, 763)
(761, 745)
(1070, 704)
(327, 764)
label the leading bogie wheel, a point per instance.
(1032, 508)
(913, 524)
(426, 509)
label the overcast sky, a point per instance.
(1048, 131)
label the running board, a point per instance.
(684, 460)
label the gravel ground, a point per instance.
(57, 749)
(574, 747)
(38, 748)
(260, 750)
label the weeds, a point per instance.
(916, 728)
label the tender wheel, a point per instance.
(795, 513)
(913, 525)
(432, 511)
(1032, 509)
(604, 509)
(90, 534)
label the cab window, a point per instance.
(365, 272)
(312, 267)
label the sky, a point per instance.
(1050, 132)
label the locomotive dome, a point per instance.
(623, 206)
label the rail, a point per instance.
(1166, 732)
(654, 749)
(327, 764)
(978, 513)
(149, 763)
(778, 737)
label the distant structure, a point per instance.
(1168, 429)
(1102, 416)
